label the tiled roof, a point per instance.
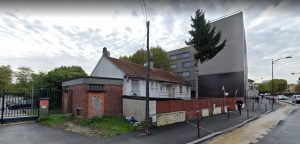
(136, 70)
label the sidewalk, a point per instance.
(186, 131)
(179, 133)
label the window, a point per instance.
(183, 74)
(161, 88)
(173, 57)
(184, 55)
(187, 89)
(188, 64)
(173, 66)
(96, 87)
(135, 86)
(180, 88)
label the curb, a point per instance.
(289, 103)
(210, 136)
(18, 123)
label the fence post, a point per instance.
(265, 107)
(253, 106)
(2, 105)
(198, 124)
(247, 113)
(228, 116)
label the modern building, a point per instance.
(226, 72)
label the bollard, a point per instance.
(247, 113)
(252, 106)
(198, 124)
(265, 107)
(228, 116)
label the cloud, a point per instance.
(74, 33)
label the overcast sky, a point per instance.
(45, 35)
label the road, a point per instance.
(286, 132)
(256, 130)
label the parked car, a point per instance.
(21, 104)
(296, 98)
(281, 97)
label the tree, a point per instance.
(280, 86)
(39, 80)
(203, 38)
(158, 56)
(55, 77)
(5, 76)
(139, 57)
(125, 58)
(23, 77)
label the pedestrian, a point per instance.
(239, 104)
(257, 99)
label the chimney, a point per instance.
(105, 52)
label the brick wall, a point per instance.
(192, 106)
(79, 96)
(113, 100)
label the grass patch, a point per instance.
(56, 120)
(106, 125)
(110, 125)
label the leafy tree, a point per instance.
(280, 86)
(158, 56)
(55, 77)
(23, 77)
(203, 38)
(5, 76)
(125, 58)
(39, 80)
(139, 57)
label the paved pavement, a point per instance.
(286, 132)
(176, 133)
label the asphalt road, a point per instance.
(286, 132)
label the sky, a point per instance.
(44, 35)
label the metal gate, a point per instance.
(20, 105)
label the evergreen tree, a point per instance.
(203, 38)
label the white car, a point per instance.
(296, 98)
(281, 97)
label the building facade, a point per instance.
(227, 72)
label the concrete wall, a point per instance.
(136, 108)
(105, 68)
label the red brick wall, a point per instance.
(113, 104)
(110, 98)
(192, 106)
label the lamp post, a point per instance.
(273, 62)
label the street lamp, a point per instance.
(273, 62)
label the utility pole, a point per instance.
(147, 130)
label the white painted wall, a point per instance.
(105, 68)
(156, 89)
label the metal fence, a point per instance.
(19, 105)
